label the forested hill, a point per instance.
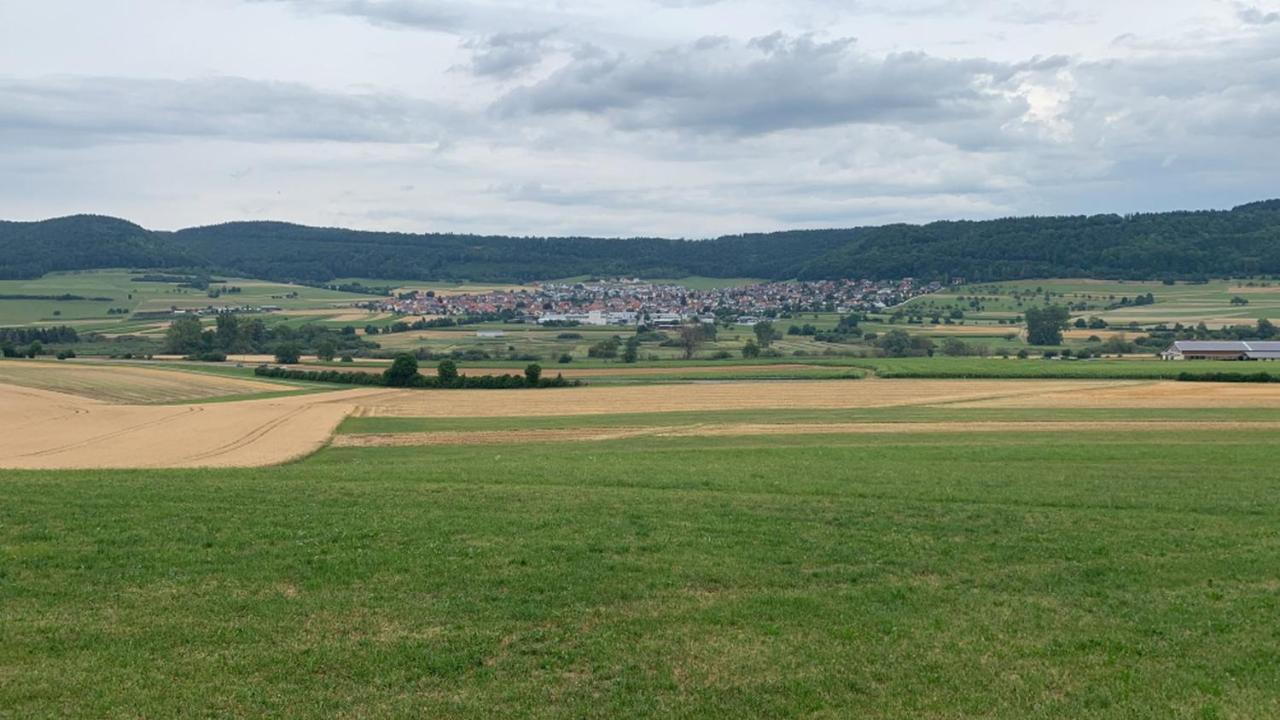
(1241, 241)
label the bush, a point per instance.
(1258, 377)
(564, 359)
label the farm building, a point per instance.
(1222, 350)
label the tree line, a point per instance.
(404, 373)
(1243, 241)
(233, 335)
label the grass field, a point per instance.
(1187, 303)
(924, 548)
(123, 292)
(924, 576)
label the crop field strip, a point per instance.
(507, 437)
(125, 384)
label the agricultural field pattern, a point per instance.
(988, 534)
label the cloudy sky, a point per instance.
(686, 118)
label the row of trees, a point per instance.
(404, 373)
(233, 334)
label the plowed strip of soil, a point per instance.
(748, 429)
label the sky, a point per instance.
(681, 118)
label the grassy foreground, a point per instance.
(917, 576)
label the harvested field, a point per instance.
(45, 430)
(1166, 394)
(752, 429)
(746, 395)
(121, 384)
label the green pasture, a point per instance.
(1051, 575)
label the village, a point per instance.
(633, 302)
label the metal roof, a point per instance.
(1241, 346)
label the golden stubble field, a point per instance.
(816, 394)
(127, 384)
(116, 421)
(43, 430)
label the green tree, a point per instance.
(326, 349)
(605, 348)
(751, 349)
(765, 333)
(632, 351)
(954, 347)
(184, 336)
(226, 334)
(446, 371)
(1044, 325)
(690, 338)
(532, 374)
(34, 349)
(404, 371)
(288, 353)
(895, 343)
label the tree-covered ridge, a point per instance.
(1241, 241)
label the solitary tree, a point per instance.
(403, 371)
(751, 349)
(446, 371)
(895, 343)
(765, 333)
(1044, 325)
(532, 374)
(690, 338)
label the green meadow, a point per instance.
(1039, 575)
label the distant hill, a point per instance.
(1242, 241)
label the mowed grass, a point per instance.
(1036, 576)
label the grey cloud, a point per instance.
(1253, 15)
(88, 110)
(508, 54)
(774, 83)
